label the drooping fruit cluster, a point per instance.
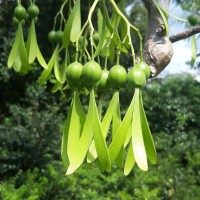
(23, 54)
(91, 74)
(79, 52)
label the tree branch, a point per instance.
(180, 36)
(157, 49)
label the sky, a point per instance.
(182, 48)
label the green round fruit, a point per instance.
(20, 12)
(193, 20)
(145, 68)
(91, 73)
(51, 36)
(96, 37)
(117, 76)
(103, 82)
(74, 72)
(136, 78)
(33, 11)
(59, 36)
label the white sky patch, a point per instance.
(182, 49)
(182, 54)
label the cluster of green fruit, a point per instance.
(23, 54)
(20, 14)
(86, 136)
(90, 135)
(91, 74)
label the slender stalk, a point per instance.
(129, 27)
(91, 28)
(60, 12)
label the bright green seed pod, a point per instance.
(33, 11)
(59, 36)
(74, 72)
(117, 76)
(20, 12)
(136, 78)
(51, 36)
(91, 73)
(145, 68)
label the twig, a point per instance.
(192, 31)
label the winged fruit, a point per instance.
(96, 37)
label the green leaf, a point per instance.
(148, 140)
(100, 143)
(76, 24)
(115, 20)
(112, 51)
(102, 33)
(67, 30)
(163, 16)
(46, 72)
(100, 20)
(40, 59)
(130, 160)
(105, 52)
(194, 50)
(123, 29)
(32, 41)
(63, 68)
(65, 139)
(137, 137)
(15, 47)
(118, 43)
(120, 135)
(57, 70)
(108, 22)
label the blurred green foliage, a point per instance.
(193, 7)
(30, 135)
